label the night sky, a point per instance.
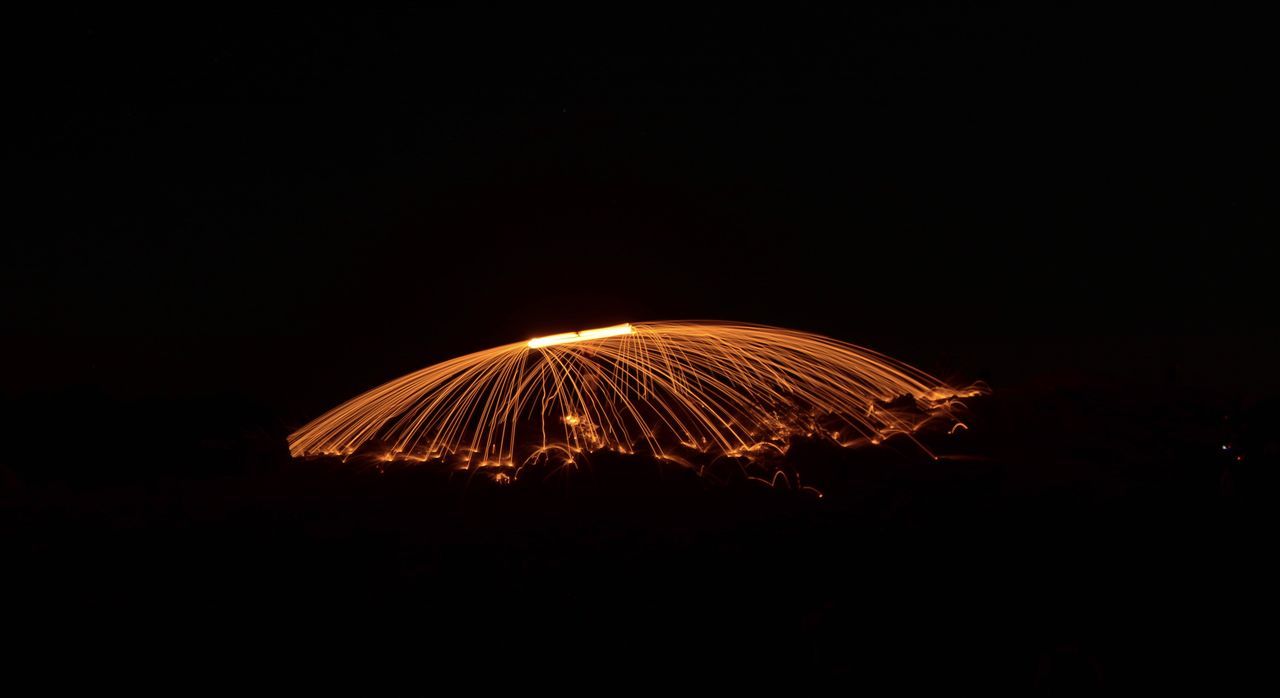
(221, 224)
(302, 202)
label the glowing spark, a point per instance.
(678, 391)
(567, 337)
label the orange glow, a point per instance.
(678, 391)
(567, 337)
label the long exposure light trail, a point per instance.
(567, 337)
(678, 391)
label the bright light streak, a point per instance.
(567, 337)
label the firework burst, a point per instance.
(679, 391)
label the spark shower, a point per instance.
(681, 391)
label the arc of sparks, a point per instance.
(670, 389)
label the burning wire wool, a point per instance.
(679, 391)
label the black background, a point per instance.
(222, 223)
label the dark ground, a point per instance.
(1041, 554)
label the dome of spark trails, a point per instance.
(679, 391)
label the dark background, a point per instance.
(223, 223)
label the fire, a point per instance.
(672, 390)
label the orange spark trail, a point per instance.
(669, 389)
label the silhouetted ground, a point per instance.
(1069, 542)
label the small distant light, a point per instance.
(1226, 447)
